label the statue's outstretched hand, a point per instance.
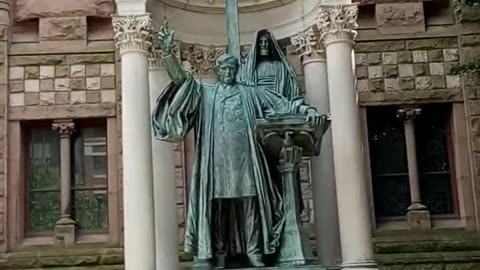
(313, 117)
(165, 37)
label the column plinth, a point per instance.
(133, 36)
(312, 55)
(336, 25)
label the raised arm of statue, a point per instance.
(174, 68)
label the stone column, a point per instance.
(336, 24)
(5, 22)
(65, 227)
(418, 215)
(133, 35)
(327, 235)
(164, 185)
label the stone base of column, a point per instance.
(362, 265)
(418, 217)
(65, 234)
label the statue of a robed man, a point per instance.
(234, 207)
(266, 67)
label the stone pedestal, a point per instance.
(134, 39)
(288, 139)
(65, 234)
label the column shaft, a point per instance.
(134, 38)
(164, 186)
(412, 161)
(137, 163)
(65, 172)
(322, 170)
(355, 227)
(65, 129)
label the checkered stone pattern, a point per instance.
(407, 66)
(62, 83)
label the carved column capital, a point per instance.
(65, 128)
(5, 13)
(337, 23)
(408, 114)
(201, 59)
(133, 33)
(307, 45)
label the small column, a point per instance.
(133, 36)
(312, 55)
(418, 215)
(164, 186)
(65, 227)
(336, 25)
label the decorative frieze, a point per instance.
(337, 22)
(200, 59)
(133, 33)
(307, 44)
(400, 17)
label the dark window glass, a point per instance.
(90, 198)
(43, 165)
(431, 134)
(388, 161)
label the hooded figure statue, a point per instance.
(266, 66)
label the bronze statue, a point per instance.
(267, 67)
(234, 207)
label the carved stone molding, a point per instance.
(201, 59)
(65, 128)
(337, 23)
(307, 45)
(133, 33)
(408, 114)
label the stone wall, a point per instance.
(72, 79)
(408, 70)
(470, 47)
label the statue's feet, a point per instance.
(256, 261)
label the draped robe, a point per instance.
(191, 105)
(278, 75)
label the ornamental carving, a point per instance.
(408, 114)
(307, 45)
(155, 54)
(64, 128)
(337, 22)
(133, 32)
(201, 59)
